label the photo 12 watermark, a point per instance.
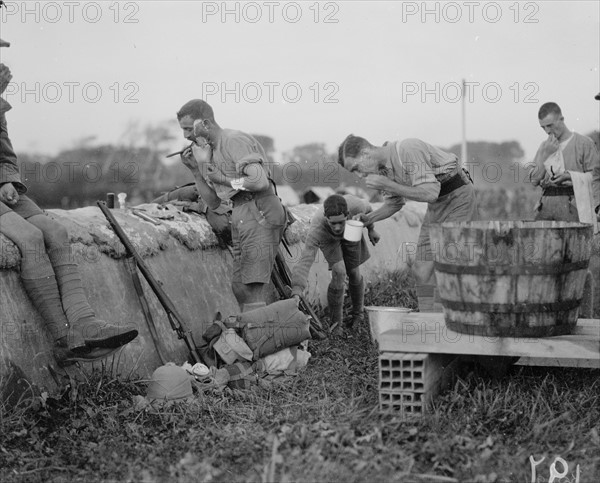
(270, 12)
(73, 92)
(470, 12)
(558, 471)
(499, 252)
(70, 12)
(88, 172)
(452, 92)
(271, 92)
(323, 171)
(518, 172)
(438, 333)
(78, 253)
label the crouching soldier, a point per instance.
(344, 257)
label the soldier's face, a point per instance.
(186, 123)
(337, 224)
(362, 166)
(553, 124)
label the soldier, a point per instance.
(415, 170)
(344, 257)
(564, 152)
(50, 277)
(230, 165)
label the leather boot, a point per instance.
(100, 334)
(65, 357)
(357, 295)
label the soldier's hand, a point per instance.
(378, 182)
(202, 151)
(296, 299)
(562, 179)
(219, 222)
(188, 159)
(5, 77)
(8, 194)
(374, 237)
(549, 146)
(361, 217)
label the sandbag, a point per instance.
(272, 328)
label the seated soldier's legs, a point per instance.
(37, 275)
(69, 281)
(55, 234)
(82, 318)
(79, 313)
(53, 283)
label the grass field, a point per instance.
(322, 425)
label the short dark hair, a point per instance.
(196, 109)
(335, 205)
(351, 147)
(549, 108)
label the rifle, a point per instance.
(177, 323)
(137, 284)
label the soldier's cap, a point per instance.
(169, 382)
(597, 96)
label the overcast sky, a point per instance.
(301, 72)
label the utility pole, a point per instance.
(464, 124)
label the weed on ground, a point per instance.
(322, 425)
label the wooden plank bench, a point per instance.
(427, 333)
(421, 355)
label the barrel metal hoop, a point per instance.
(552, 269)
(522, 308)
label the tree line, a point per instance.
(82, 175)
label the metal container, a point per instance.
(110, 200)
(382, 319)
(353, 230)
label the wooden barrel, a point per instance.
(511, 278)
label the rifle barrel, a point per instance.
(163, 298)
